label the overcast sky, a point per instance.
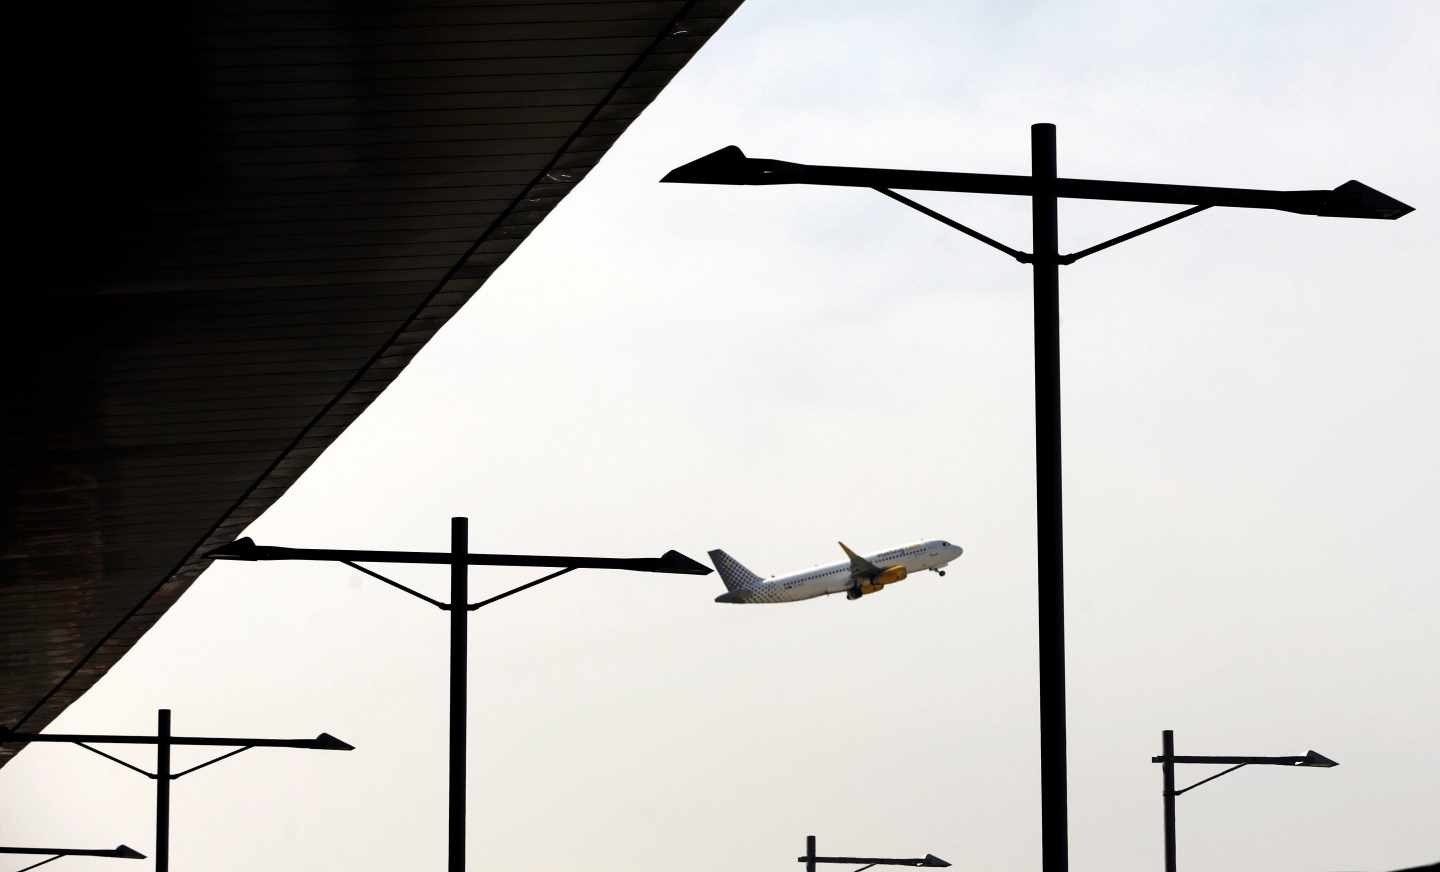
(1250, 425)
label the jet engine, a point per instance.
(889, 576)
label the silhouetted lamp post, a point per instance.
(1167, 761)
(810, 860)
(163, 742)
(730, 166)
(459, 560)
(119, 852)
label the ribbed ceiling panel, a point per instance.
(241, 222)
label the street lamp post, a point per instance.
(459, 560)
(119, 852)
(730, 166)
(810, 860)
(163, 775)
(1167, 761)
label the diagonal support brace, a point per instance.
(514, 590)
(398, 586)
(1020, 256)
(1211, 778)
(1067, 259)
(212, 761)
(115, 759)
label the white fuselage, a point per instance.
(840, 577)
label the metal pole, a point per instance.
(809, 854)
(459, 648)
(162, 792)
(1167, 768)
(1054, 838)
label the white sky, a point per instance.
(1250, 432)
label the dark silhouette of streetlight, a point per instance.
(163, 742)
(810, 860)
(459, 560)
(1167, 761)
(119, 852)
(730, 166)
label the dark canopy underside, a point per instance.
(239, 221)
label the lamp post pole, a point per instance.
(1168, 759)
(164, 740)
(730, 166)
(1050, 580)
(1167, 769)
(459, 649)
(162, 791)
(459, 560)
(810, 860)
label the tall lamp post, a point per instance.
(1167, 761)
(119, 852)
(810, 860)
(163, 774)
(730, 166)
(459, 606)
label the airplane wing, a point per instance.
(859, 566)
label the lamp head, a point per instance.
(128, 853)
(1318, 760)
(675, 562)
(240, 549)
(1355, 200)
(932, 860)
(327, 742)
(730, 166)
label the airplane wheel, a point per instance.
(942, 573)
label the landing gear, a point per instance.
(942, 572)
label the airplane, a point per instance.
(856, 577)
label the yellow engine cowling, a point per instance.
(876, 584)
(891, 575)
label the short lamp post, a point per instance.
(810, 860)
(163, 774)
(1167, 761)
(119, 852)
(459, 559)
(1044, 188)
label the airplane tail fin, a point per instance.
(733, 573)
